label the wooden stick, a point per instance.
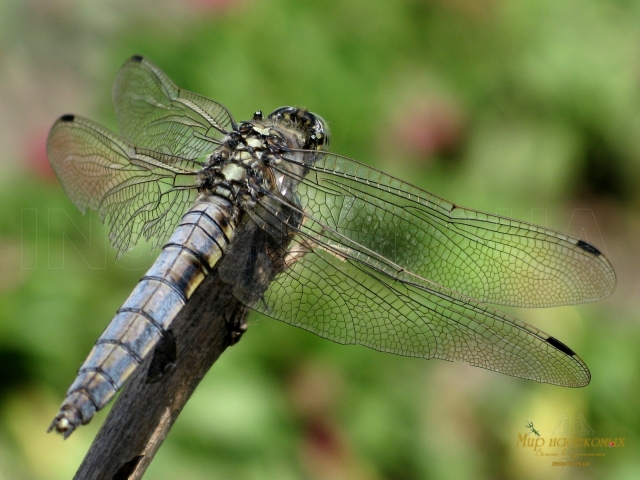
(141, 418)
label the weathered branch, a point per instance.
(143, 415)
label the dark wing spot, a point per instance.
(67, 118)
(588, 248)
(137, 58)
(560, 346)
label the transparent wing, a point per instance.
(326, 289)
(143, 193)
(153, 113)
(489, 258)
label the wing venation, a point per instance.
(487, 257)
(154, 113)
(139, 192)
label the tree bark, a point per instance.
(149, 404)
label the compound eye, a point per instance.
(321, 132)
(315, 129)
(283, 113)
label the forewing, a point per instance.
(153, 113)
(487, 257)
(326, 291)
(141, 192)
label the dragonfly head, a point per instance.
(313, 127)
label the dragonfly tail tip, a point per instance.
(65, 423)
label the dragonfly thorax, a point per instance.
(241, 169)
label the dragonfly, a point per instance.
(304, 236)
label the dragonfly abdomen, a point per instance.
(192, 251)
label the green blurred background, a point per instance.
(526, 108)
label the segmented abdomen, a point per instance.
(192, 251)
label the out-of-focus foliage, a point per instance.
(530, 109)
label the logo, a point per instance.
(531, 429)
(565, 447)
